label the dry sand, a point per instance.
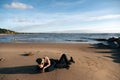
(91, 62)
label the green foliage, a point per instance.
(6, 31)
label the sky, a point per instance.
(60, 16)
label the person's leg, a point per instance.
(71, 60)
(63, 59)
(63, 62)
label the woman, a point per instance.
(45, 64)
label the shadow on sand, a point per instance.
(115, 53)
(20, 70)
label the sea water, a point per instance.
(56, 37)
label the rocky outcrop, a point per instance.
(114, 42)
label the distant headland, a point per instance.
(7, 31)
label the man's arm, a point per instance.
(49, 63)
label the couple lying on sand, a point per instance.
(46, 65)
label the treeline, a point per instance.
(6, 31)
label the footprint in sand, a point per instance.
(2, 59)
(2, 77)
(27, 54)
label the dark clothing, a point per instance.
(63, 62)
(63, 59)
(48, 69)
(51, 67)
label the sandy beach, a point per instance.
(92, 62)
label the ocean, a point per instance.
(56, 37)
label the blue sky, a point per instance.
(77, 16)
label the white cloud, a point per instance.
(66, 3)
(77, 17)
(18, 5)
(71, 21)
(107, 27)
(113, 16)
(23, 20)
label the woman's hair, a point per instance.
(39, 60)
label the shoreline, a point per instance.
(91, 62)
(55, 38)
